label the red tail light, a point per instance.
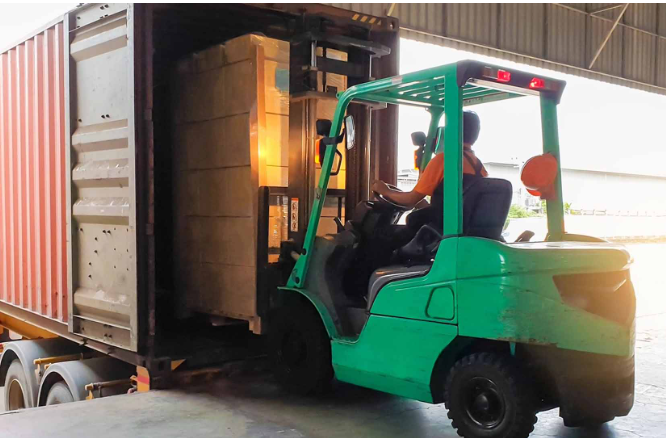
(503, 76)
(537, 84)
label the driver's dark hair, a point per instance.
(471, 127)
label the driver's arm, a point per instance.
(428, 182)
(407, 199)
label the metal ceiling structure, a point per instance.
(619, 43)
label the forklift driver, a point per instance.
(430, 182)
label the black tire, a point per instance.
(300, 349)
(16, 387)
(487, 397)
(59, 394)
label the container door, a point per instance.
(101, 177)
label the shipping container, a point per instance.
(87, 220)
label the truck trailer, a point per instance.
(208, 200)
(102, 115)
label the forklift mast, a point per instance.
(328, 56)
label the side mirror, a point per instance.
(350, 132)
(324, 127)
(419, 138)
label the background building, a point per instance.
(594, 192)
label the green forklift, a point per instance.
(498, 331)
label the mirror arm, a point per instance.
(334, 141)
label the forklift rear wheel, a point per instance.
(300, 349)
(487, 397)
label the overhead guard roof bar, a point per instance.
(426, 88)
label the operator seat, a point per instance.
(486, 204)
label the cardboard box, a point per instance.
(231, 134)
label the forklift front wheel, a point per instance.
(487, 397)
(300, 349)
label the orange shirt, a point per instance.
(434, 172)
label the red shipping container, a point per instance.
(33, 250)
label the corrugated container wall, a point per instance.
(33, 260)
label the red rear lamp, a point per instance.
(537, 84)
(503, 76)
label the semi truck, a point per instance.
(95, 113)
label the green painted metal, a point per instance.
(439, 146)
(521, 302)
(495, 97)
(476, 288)
(453, 163)
(331, 329)
(442, 304)
(410, 298)
(393, 355)
(436, 114)
(551, 144)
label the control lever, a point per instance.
(525, 236)
(338, 222)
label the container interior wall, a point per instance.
(179, 32)
(33, 257)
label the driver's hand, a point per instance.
(421, 204)
(380, 187)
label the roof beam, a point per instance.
(605, 8)
(603, 44)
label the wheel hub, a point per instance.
(15, 396)
(484, 403)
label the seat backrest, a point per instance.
(486, 206)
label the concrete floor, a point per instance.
(248, 404)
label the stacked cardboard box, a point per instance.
(231, 119)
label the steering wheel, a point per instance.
(387, 202)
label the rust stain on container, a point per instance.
(33, 258)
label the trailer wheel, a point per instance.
(487, 397)
(300, 349)
(59, 394)
(16, 387)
